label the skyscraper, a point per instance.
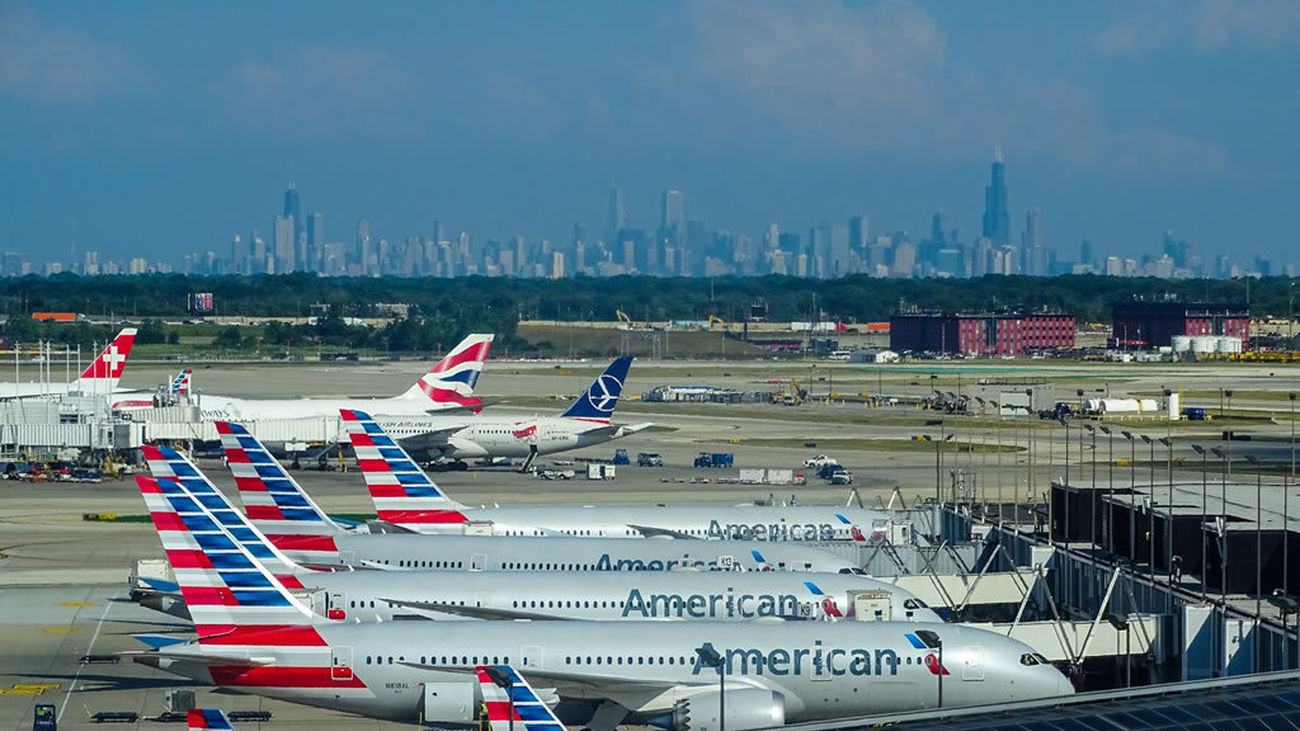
(293, 211)
(671, 219)
(284, 244)
(997, 222)
(617, 214)
(315, 242)
(364, 252)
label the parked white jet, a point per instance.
(100, 377)
(448, 385)
(254, 636)
(405, 496)
(296, 525)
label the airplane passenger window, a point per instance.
(598, 659)
(670, 661)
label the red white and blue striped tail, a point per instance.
(403, 494)
(275, 502)
(450, 383)
(517, 697)
(165, 462)
(181, 383)
(202, 719)
(224, 587)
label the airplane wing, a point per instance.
(600, 684)
(476, 612)
(649, 531)
(431, 439)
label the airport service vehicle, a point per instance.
(819, 461)
(100, 377)
(715, 459)
(649, 459)
(841, 477)
(404, 496)
(448, 594)
(585, 423)
(255, 637)
(448, 385)
(296, 525)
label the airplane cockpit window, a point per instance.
(914, 604)
(1029, 659)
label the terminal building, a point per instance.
(980, 333)
(1145, 325)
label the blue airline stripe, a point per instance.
(813, 588)
(916, 641)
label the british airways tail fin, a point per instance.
(181, 383)
(450, 383)
(208, 719)
(275, 502)
(104, 372)
(167, 464)
(225, 588)
(598, 403)
(505, 692)
(403, 494)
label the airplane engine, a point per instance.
(746, 709)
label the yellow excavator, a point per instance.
(624, 322)
(715, 320)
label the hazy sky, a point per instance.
(148, 128)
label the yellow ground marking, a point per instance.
(77, 604)
(58, 630)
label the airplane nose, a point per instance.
(1063, 684)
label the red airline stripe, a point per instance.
(373, 465)
(281, 677)
(362, 440)
(387, 491)
(237, 455)
(422, 516)
(295, 542)
(206, 596)
(271, 635)
(188, 559)
(290, 581)
(263, 512)
(476, 352)
(168, 521)
(500, 710)
(250, 484)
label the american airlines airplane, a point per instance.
(254, 636)
(180, 386)
(448, 385)
(404, 496)
(293, 522)
(101, 376)
(368, 596)
(584, 424)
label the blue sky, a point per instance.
(151, 127)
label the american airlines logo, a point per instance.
(606, 563)
(817, 661)
(714, 606)
(772, 531)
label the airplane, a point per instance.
(100, 377)
(207, 719)
(180, 386)
(254, 636)
(405, 497)
(584, 424)
(279, 508)
(448, 385)
(368, 596)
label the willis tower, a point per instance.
(997, 223)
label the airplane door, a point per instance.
(972, 668)
(531, 655)
(477, 561)
(334, 605)
(873, 606)
(340, 663)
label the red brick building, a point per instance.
(980, 333)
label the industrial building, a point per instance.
(980, 333)
(1156, 324)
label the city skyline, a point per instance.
(1120, 121)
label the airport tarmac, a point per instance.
(63, 579)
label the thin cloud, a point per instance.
(1207, 25)
(57, 65)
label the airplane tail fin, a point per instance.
(208, 719)
(226, 590)
(167, 463)
(181, 385)
(450, 383)
(598, 403)
(505, 691)
(403, 494)
(104, 372)
(275, 502)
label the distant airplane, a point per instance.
(256, 637)
(100, 377)
(446, 594)
(585, 423)
(448, 385)
(180, 386)
(404, 496)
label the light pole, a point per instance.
(1205, 594)
(1223, 524)
(1291, 396)
(1065, 494)
(1110, 489)
(1169, 523)
(1092, 431)
(1132, 486)
(1259, 535)
(938, 463)
(1151, 511)
(1228, 465)
(709, 657)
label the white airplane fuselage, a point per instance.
(813, 670)
(493, 436)
(225, 408)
